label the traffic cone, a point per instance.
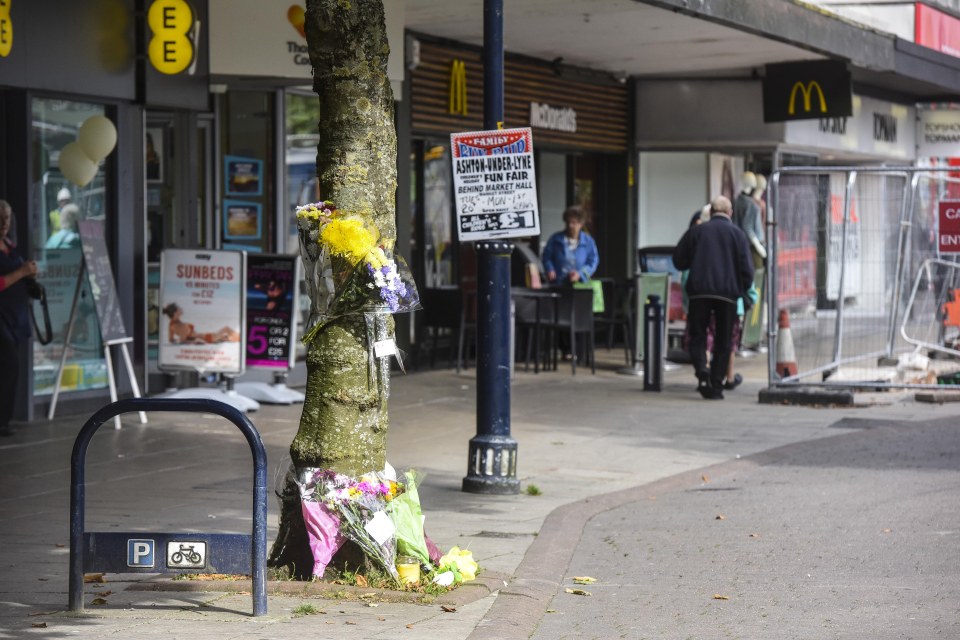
(786, 356)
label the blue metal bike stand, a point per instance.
(183, 552)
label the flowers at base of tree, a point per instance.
(383, 517)
(456, 566)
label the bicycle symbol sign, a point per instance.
(186, 554)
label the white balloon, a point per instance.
(98, 137)
(76, 166)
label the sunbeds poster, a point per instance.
(202, 301)
(271, 311)
(494, 184)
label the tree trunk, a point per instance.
(344, 422)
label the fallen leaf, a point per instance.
(448, 609)
(887, 530)
(754, 535)
(410, 626)
(373, 604)
(39, 625)
(350, 623)
(104, 594)
(93, 577)
(705, 477)
(578, 592)
(98, 601)
(717, 596)
(381, 619)
(362, 581)
(551, 610)
(720, 516)
(584, 579)
(367, 596)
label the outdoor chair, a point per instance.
(617, 314)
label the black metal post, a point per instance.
(492, 463)
(653, 349)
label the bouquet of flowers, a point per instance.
(361, 506)
(381, 515)
(350, 269)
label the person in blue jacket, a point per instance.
(571, 255)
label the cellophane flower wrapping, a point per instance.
(323, 532)
(361, 506)
(350, 268)
(407, 517)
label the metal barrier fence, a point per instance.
(870, 300)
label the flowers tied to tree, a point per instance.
(351, 269)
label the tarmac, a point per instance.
(593, 448)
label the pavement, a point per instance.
(631, 486)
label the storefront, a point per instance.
(580, 134)
(55, 76)
(715, 130)
(696, 138)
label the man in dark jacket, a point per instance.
(717, 255)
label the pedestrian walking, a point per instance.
(717, 255)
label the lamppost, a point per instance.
(492, 460)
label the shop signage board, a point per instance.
(202, 305)
(948, 234)
(938, 132)
(494, 184)
(100, 276)
(271, 311)
(807, 90)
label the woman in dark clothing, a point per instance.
(14, 319)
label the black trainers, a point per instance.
(733, 384)
(710, 393)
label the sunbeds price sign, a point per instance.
(494, 184)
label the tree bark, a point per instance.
(344, 422)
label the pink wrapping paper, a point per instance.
(432, 549)
(323, 530)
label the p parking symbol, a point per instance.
(140, 553)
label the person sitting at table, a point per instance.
(571, 255)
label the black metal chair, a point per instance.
(617, 313)
(535, 315)
(575, 318)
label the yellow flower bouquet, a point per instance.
(350, 269)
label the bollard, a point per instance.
(653, 345)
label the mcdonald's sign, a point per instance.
(458, 88)
(807, 91)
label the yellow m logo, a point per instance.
(807, 91)
(458, 88)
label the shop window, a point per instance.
(438, 250)
(301, 122)
(55, 209)
(246, 145)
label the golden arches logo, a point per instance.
(458, 88)
(807, 91)
(6, 29)
(171, 49)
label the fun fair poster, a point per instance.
(202, 300)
